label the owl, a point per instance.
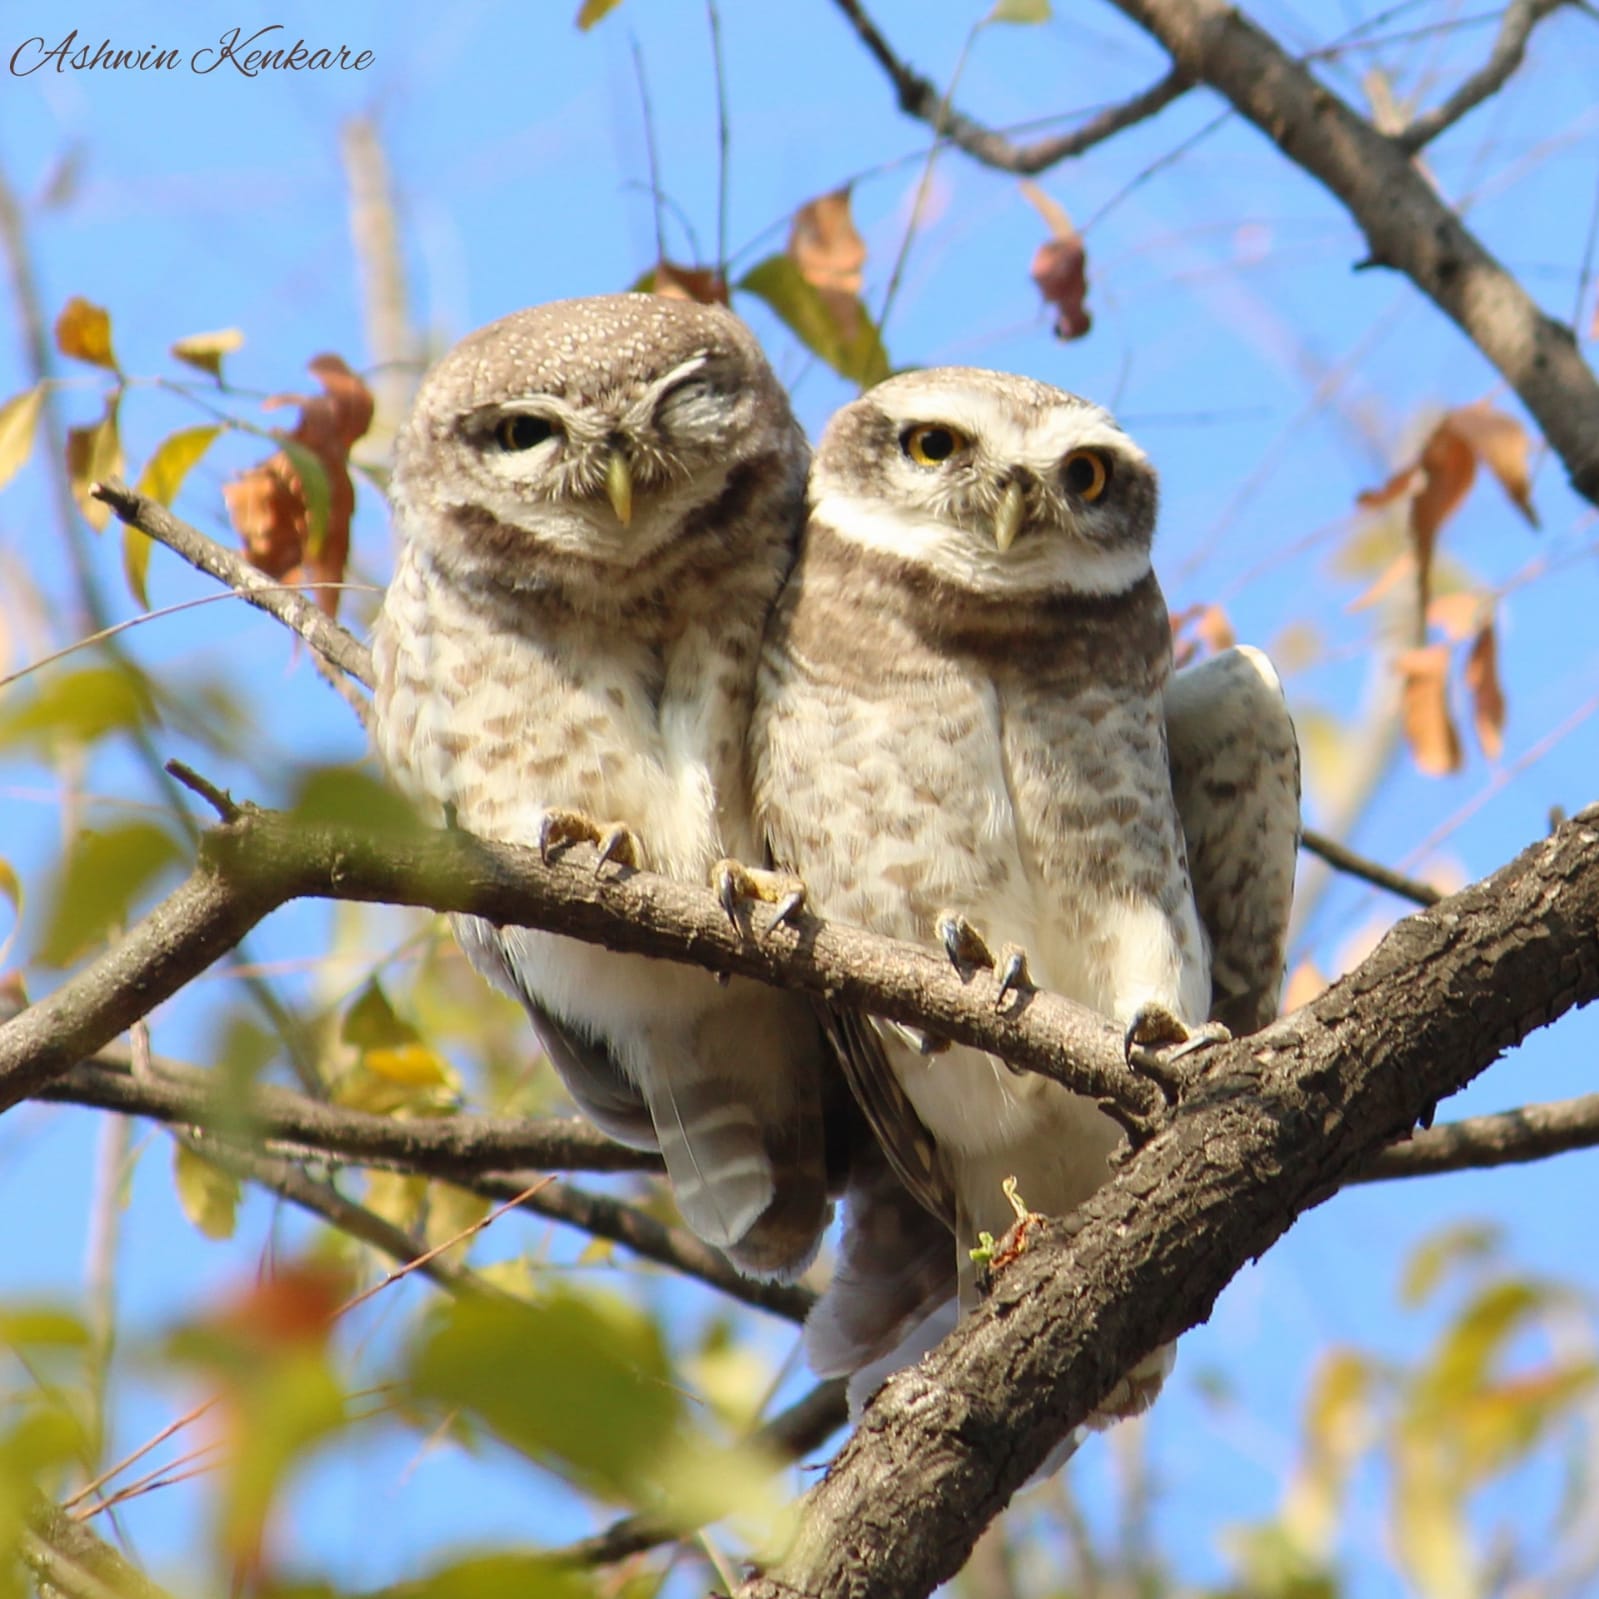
(596, 502)
(967, 735)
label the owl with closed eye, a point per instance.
(596, 502)
(961, 739)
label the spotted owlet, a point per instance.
(596, 502)
(961, 740)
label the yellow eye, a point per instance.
(521, 432)
(932, 443)
(1086, 474)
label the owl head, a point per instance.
(589, 428)
(997, 483)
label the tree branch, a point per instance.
(1520, 18)
(331, 643)
(922, 99)
(265, 859)
(1276, 1126)
(1343, 859)
(1512, 1137)
(1408, 227)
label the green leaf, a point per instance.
(344, 796)
(592, 10)
(19, 421)
(370, 1022)
(161, 479)
(95, 891)
(509, 1575)
(209, 1196)
(41, 1326)
(579, 1383)
(313, 476)
(1019, 11)
(834, 326)
(79, 708)
(205, 350)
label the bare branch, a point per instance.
(265, 859)
(1344, 859)
(1408, 227)
(455, 1147)
(805, 1425)
(68, 1559)
(1513, 1137)
(920, 98)
(329, 641)
(1281, 1121)
(1520, 18)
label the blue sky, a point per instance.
(1269, 381)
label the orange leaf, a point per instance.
(1429, 728)
(1400, 483)
(1305, 983)
(1502, 446)
(1487, 693)
(826, 247)
(295, 1306)
(1455, 615)
(83, 331)
(701, 285)
(1448, 465)
(269, 504)
(1060, 266)
(1397, 570)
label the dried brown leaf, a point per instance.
(1448, 466)
(1402, 482)
(1502, 445)
(94, 452)
(826, 247)
(1398, 571)
(291, 525)
(1457, 616)
(1487, 692)
(1429, 728)
(1305, 983)
(700, 285)
(1060, 266)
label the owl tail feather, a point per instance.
(895, 1266)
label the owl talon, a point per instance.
(739, 886)
(1011, 974)
(617, 843)
(1156, 1040)
(963, 944)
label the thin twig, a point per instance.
(1344, 859)
(327, 639)
(1521, 17)
(919, 97)
(806, 1425)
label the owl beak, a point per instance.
(619, 486)
(1008, 516)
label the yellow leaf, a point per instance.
(1020, 11)
(833, 326)
(83, 331)
(11, 892)
(205, 350)
(209, 1196)
(396, 1197)
(19, 421)
(93, 453)
(76, 708)
(161, 479)
(453, 1216)
(414, 1065)
(1434, 1258)
(593, 10)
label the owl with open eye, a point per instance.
(596, 502)
(961, 739)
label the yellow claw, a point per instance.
(619, 486)
(1008, 516)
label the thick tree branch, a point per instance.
(68, 1559)
(1407, 225)
(265, 859)
(1277, 1125)
(919, 97)
(1515, 28)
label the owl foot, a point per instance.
(968, 952)
(738, 885)
(615, 841)
(1156, 1040)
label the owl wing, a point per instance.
(1235, 780)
